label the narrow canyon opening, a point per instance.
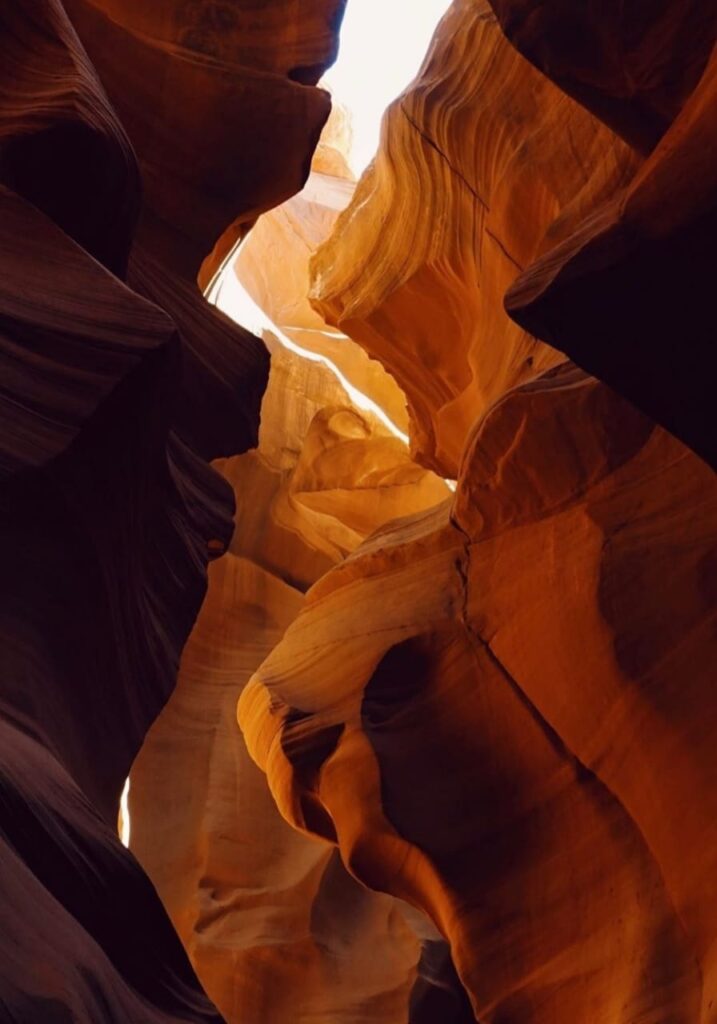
(331, 468)
(264, 283)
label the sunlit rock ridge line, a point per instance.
(395, 753)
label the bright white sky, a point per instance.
(383, 43)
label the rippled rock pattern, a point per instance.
(276, 927)
(109, 515)
(220, 106)
(288, 237)
(473, 776)
(502, 715)
(483, 166)
(502, 710)
(629, 294)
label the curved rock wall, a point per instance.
(275, 926)
(474, 776)
(633, 67)
(109, 517)
(516, 748)
(629, 295)
(483, 165)
(501, 710)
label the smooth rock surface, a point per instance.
(109, 516)
(274, 924)
(288, 237)
(629, 294)
(634, 66)
(483, 165)
(524, 735)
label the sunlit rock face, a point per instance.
(109, 515)
(473, 775)
(501, 709)
(483, 165)
(274, 924)
(509, 715)
(287, 237)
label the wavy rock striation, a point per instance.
(274, 924)
(106, 520)
(528, 733)
(483, 165)
(288, 237)
(220, 106)
(487, 721)
(629, 294)
(108, 515)
(221, 109)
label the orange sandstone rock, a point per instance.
(274, 924)
(506, 712)
(483, 165)
(287, 237)
(629, 294)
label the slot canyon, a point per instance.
(358, 611)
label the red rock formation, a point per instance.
(629, 294)
(633, 66)
(105, 524)
(108, 516)
(515, 748)
(483, 165)
(274, 924)
(487, 723)
(63, 147)
(219, 105)
(220, 108)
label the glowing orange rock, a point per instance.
(508, 713)
(273, 922)
(483, 165)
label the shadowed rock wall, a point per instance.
(109, 515)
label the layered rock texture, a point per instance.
(275, 925)
(501, 710)
(287, 238)
(498, 712)
(397, 754)
(109, 515)
(483, 166)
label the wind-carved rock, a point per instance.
(634, 67)
(483, 165)
(205, 92)
(492, 702)
(106, 521)
(108, 515)
(501, 709)
(487, 722)
(289, 236)
(274, 924)
(629, 294)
